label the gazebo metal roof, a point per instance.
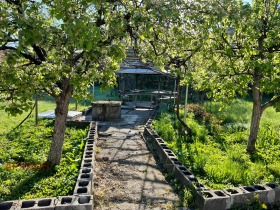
(144, 71)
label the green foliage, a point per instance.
(55, 47)
(29, 144)
(238, 111)
(103, 95)
(219, 159)
(186, 196)
(165, 128)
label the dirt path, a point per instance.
(126, 174)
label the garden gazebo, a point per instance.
(138, 81)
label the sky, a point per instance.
(249, 1)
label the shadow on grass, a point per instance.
(21, 188)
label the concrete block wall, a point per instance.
(81, 199)
(84, 184)
(209, 199)
(72, 202)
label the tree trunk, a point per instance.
(61, 110)
(256, 118)
(186, 128)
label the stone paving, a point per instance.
(126, 174)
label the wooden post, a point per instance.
(93, 91)
(187, 90)
(175, 86)
(186, 102)
(36, 109)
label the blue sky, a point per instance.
(247, 1)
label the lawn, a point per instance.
(216, 153)
(23, 152)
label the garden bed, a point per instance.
(216, 153)
(24, 171)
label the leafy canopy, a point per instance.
(47, 42)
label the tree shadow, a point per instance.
(21, 188)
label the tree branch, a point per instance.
(26, 116)
(155, 50)
(270, 103)
(41, 53)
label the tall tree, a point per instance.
(241, 56)
(174, 34)
(59, 48)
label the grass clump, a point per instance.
(216, 153)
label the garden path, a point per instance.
(126, 174)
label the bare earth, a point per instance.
(126, 174)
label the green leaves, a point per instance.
(57, 39)
(277, 107)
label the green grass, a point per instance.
(216, 153)
(29, 144)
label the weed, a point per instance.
(97, 150)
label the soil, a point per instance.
(126, 174)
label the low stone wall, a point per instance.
(209, 199)
(73, 202)
(81, 199)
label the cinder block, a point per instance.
(10, 205)
(89, 148)
(175, 161)
(160, 141)
(159, 149)
(87, 163)
(88, 155)
(85, 171)
(45, 204)
(249, 194)
(84, 183)
(169, 153)
(212, 200)
(84, 202)
(265, 194)
(237, 197)
(65, 203)
(180, 174)
(187, 178)
(199, 186)
(151, 133)
(275, 188)
(85, 176)
(27, 204)
(75, 202)
(82, 190)
(90, 142)
(83, 186)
